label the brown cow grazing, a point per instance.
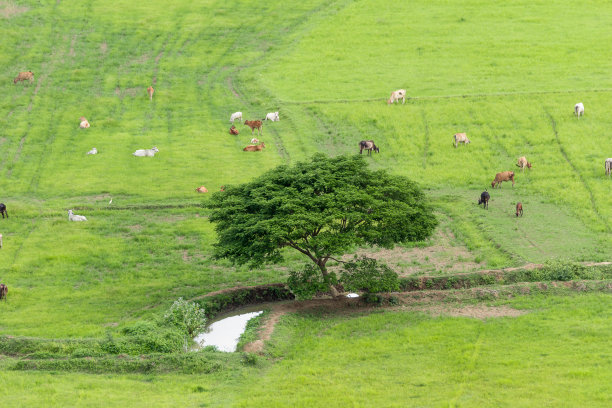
(201, 189)
(150, 91)
(3, 210)
(254, 148)
(254, 124)
(3, 291)
(233, 130)
(522, 163)
(369, 146)
(460, 138)
(519, 209)
(29, 75)
(503, 176)
(484, 199)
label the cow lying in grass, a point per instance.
(254, 148)
(503, 176)
(146, 152)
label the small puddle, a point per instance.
(225, 333)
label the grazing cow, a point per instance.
(608, 166)
(484, 199)
(236, 115)
(503, 176)
(396, 96)
(74, 217)
(3, 291)
(579, 109)
(519, 209)
(460, 138)
(254, 124)
(150, 91)
(22, 76)
(146, 152)
(272, 116)
(522, 163)
(201, 189)
(93, 151)
(84, 123)
(369, 146)
(3, 210)
(233, 130)
(254, 148)
(254, 140)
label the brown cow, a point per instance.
(3, 291)
(254, 148)
(29, 75)
(233, 130)
(254, 124)
(84, 123)
(522, 163)
(503, 176)
(519, 209)
(369, 146)
(460, 138)
(150, 91)
(202, 189)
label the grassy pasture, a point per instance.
(507, 74)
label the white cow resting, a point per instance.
(579, 109)
(146, 152)
(273, 116)
(236, 115)
(93, 151)
(74, 217)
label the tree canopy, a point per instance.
(322, 208)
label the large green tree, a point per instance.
(321, 208)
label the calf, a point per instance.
(503, 176)
(84, 123)
(519, 209)
(254, 148)
(3, 210)
(522, 163)
(3, 291)
(254, 124)
(22, 76)
(484, 199)
(150, 91)
(272, 116)
(233, 130)
(396, 96)
(460, 138)
(579, 109)
(369, 146)
(608, 166)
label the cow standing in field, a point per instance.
(460, 138)
(236, 116)
(519, 209)
(608, 166)
(150, 91)
(396, 96)
(369, 146)
(579, 109)
(254, 124)
(3, 210)
(22, 76)
(484, 199)
(254, 148)
(272, 116)
(3, 291)
(503, 176)
(522, 163)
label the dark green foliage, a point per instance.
(249, 359)
(321, 208)
(244, 296)
(373, 298)
(368, 275)
(144, 337)
(307, 282)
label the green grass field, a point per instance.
(507, 74)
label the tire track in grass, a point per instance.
(576, 171)
(470, 368)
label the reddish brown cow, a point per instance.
(503, 176)
(150, 91)
(254, 124)
(202, 189)
(22, 76)
(522, 163)
(254, 148)
(3, 291)
(519, 209)
(233, 130)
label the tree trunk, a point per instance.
(326, 277)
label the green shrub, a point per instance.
(307, 282)
(187, 316)
(367, 275)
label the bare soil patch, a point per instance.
(8, 9)
(476, 311)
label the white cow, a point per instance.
(397, 95)
(273, 116)
(460, 138)
(93, 151)
(608, 166)
(236, 115)
(579, 109)
(146, 152)
(74, 217)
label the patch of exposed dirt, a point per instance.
(8, 9)
(446, 255)
(136, 227)
(231, 87)
(476, 311)
(121, 93)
